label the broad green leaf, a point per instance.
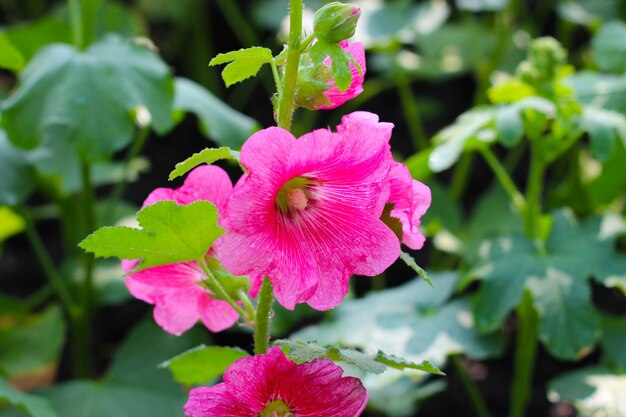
(604, 127)
(376, 364)
(454, 139)
(170, 233)
(120, 19)
(10, 56)
(600, 90)
(418, 165)
(340, 62)
(134, 386)
(31, 37)
(482, 5)
(510, 91)
(202, 364)
(18, 176)
(10, 223)
(510, 125)
(408, 259)
(613, 341)
(412, 321)
(594, 391)
(206, 156)
(242, 64)
(218, 121)
(32, 405)
(588, 12)
(608, 186)
(608, 47)
(30, 348)
(87, 98)
(557, 279)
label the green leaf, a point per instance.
(340, 62)
(376, 364)
(10, 223)
(593, 391)
(31, 404)
(599, 90)
(31, 347)
(242, 64)
(28, 39)
(408, 259)
(604, 127)
(218, 121)
(557, 280)
(411, 321)
(202, 363)
(588, 12)
(10, 56)
(418, 165)
(609, 48)
(482, 5)
(454, 139)
(171, 233)
(18, 176)
(509, 125)
(206, 156)
(608, 186)
(613, 341)
(87, 98)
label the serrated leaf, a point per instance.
(411, 321)
(218, 121)
(31, 404)
(557, 279)
(509, 125)
(408, 259)
(85, 98)
(376, 364)
(18, 175)
(599, 90)
(206, 156)
(593, 391)
(340, 62)
(202, 364)
(242, 64)
(170, 233)
(604, 127)
(608, 47)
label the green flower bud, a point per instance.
(336, 22)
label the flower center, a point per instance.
(294, 195)
(276, 408)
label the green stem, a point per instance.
(219, 290)
(505, 179)
(279, 87)
(411, 111)
(118, 190)
(38, 297)
(83, 20)
(525, 354)
(533, 192)
(287, 99)
(262, 323)
(473, 392)
(73, 6)
(44, 258)
(461, 175)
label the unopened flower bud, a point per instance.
(336, 22)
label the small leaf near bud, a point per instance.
(336, 22)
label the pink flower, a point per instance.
(411, 199)
(271, 385)
(176, 290)
(336, 97)
(308, 213)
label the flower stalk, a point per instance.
(287, 100)
(262, 322)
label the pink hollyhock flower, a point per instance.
(271, 385)
(176, 290)
(308, 213)
(410, 199)
(336, 97)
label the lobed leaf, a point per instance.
(202, 364)
(170, 233)
(410, 261)
(33, 405)
(242, 64)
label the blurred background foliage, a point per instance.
(108, 123)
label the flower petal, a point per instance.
(214, 401)
(217, 315)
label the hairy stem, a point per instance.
(287, 99)
(480, 408)
(505, 179)
(262, 323)
(220, 291)
(533, 192)
(411, 111)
